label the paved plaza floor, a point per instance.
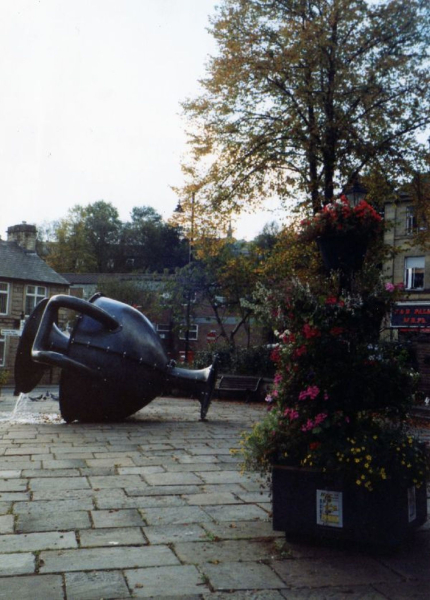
(156, 507)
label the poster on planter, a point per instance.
(329, 508)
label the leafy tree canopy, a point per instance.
(304, 96)
(93, 239)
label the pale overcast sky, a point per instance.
(89, 108)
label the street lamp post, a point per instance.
(179, 209)
(355, 193)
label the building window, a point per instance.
(34, 295)
(164, 331)
(411, 220)
(414, 272)
(413, 223)
(193, 333)
(2, 350)
(4, 298)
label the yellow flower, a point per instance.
(368, 457)
(358, 482)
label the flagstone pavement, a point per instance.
(156, 507)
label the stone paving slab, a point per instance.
(17, 564)
(52, 522)
(320, 573)
(170, 534)
(246, 595)
(6, 524)
(157, 506)
(163, 581)
(91, 559)
(197, 553)
(241, 576)
(336, 593)
(112, 536)
(48, 507)
(117, 518)
(34, 542)
(96, 585)
(174, 515)
(36, 587)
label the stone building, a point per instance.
(410, 265)
(25, 279)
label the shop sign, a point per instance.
(410, 315)
(11, 332)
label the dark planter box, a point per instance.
(308, 503)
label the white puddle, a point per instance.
(21, 414)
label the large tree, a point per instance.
(103, 229)
(303, 96)
(156, 244)
(69, 249)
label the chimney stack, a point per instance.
(24, 235)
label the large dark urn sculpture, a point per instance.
(112, 364)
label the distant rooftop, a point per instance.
(18, 263)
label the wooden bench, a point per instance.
(239, 386)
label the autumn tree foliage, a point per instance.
(304, 96)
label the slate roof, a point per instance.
(17, 263)
(93, 278)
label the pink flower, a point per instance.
(309, 425)
(291, 414)
(390, 287)
(310, 392)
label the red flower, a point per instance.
(275, 355)
(310, 332)
(299, 351)
(336, 330)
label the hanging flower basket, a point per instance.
(339, 220)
